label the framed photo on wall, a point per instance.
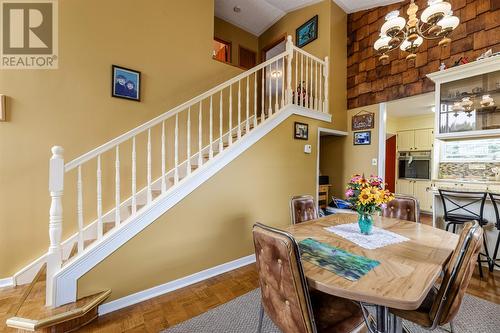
(126, 83)
(307, 32)
(363, 120)
(362, 138)
(301, 131)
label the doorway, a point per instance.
(390, 162)
(273, 79)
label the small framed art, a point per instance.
(362, 138)
(301, 131)
(126, 83)
(307, 32)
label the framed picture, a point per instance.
(363, 120)
(362, 138)
(301, 131)
(126, 83)
(307, 32)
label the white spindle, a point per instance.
(188, 148)
(311, 83)
(247, 120)
(263, 95)
(163, 160)
(289, 58)
(176, 149)
(325, 74)
(320, 105)
(270, 89)
(230, 115)
(211, 149)
(56, 186)
(316, 86)
(255, 100)
(134, 177)
(221, 143)
(276, 86)
(306, 87)
(117, 186)
(99, 198)
(200, 137)
(79, 209)
(283, 87)
(239, 110)
(296, 78)
(301, 84)
(149, 190)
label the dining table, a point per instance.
(406, 273)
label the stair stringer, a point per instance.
(65, 281)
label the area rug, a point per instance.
(241, 316)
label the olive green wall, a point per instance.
(238, 37)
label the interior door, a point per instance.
(390, 163)
(404, 186)
(424, 139)
(422, 190)
(406, 140)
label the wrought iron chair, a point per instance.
(285, 294)
(303, 208)
(495, 200)
(462, 207)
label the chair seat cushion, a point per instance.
(459, 218)
(336, 315)
(419, 316)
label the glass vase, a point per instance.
(365, 222)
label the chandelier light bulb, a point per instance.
(436, 10)
(393, 24)
(407, 45)
(449, 22)
(382, 42)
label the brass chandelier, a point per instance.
(436, 22)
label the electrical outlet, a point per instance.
(307, 149)
(374, 161)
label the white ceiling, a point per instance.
(256, 16)
(412, 106)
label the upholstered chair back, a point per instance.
(457, 274)
(285, 296)
(403, 207)
(303, 208)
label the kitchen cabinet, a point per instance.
(414, 140)
(420, 189)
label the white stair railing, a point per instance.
(279, 86)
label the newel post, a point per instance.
(289, 57)
(56, 186)
(326, 71)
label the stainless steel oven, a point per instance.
(414, 165)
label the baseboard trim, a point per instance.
(6, 282)
(174, 285)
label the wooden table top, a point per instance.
(407, 270)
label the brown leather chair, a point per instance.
(403, 207)
(441, 305)
(303, 208)
(285, 295)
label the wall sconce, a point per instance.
(3, 112)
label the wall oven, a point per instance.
(414, 165)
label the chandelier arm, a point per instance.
(422, 33)
(402, 39)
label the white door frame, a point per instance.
(382, 129)
(329, 132)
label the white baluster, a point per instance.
(117, 186)
(255, 100)
(270, 90)
(289, 58)
(325, 74)
(239, 110)
(230, 114)
(149, 193)
(263, 95)
(56, 187)
(99, 198)
(247, 121)
(276, 86)
(211, 147)
(176, 149)
(134, 177)
(320, 105)
(306, 86)
(221, 143)
(283, 87)
(296, 79)
(200, 132)
(79, 209)
(301, 84)
(311, 97)
(316, 86)
(163, 160)
(188, 148)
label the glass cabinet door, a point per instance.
(470, 104)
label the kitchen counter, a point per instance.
(467, 181)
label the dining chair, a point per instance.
(461, 207)
(495, 200)
(285, 296)
(303, 208)
(441, 305)
(403, 207)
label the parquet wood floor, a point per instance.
(170, 309)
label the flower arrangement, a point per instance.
(367, 196)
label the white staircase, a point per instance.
(122, 186)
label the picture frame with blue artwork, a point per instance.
(307, 32)
(126, 83)
(362, 138)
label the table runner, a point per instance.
(378, 238)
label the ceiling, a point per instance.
(412, 106)
(256, 16)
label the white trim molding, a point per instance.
(159, 290)
(65, 280)
(6, 282)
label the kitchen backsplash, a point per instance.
(466, 169)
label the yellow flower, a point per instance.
(365, 196)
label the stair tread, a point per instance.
(33, 305)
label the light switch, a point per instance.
(374, 161)
(307, 149)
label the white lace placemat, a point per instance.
(378, 238)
